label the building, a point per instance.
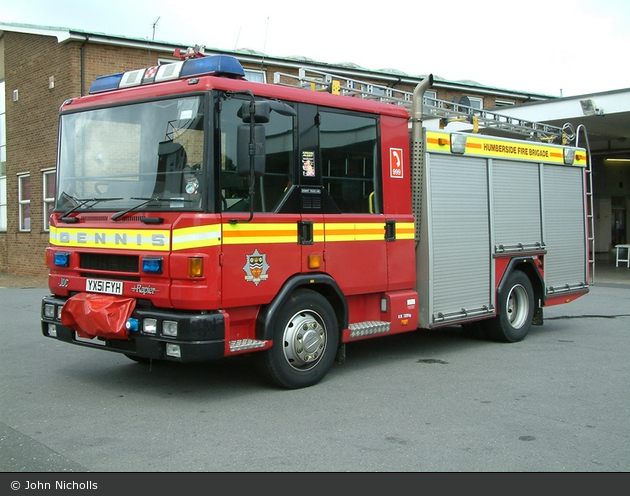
(40, 67)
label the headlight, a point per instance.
(169, 328)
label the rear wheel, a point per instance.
(515, 310)
(305, 340)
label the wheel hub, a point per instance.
(516, 308)
(304, 340)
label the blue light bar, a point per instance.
(106, 83)
(217, 65)
(62, 259)
(220, 65)
(152, 265)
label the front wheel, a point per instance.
(515, 310)
(305, 340)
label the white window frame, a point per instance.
(3, 159)
(503, 103)
(49, 201)
(3, 203)
(255, 76)
(430, 94)
(476, 102)
(24, 225)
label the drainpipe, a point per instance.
(87, 38)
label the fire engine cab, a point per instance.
(199, 215)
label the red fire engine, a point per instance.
(199, 215)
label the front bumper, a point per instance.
(200, 336)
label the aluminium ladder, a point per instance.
(432, 108)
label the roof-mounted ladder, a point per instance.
(590, 216)
(432, 108)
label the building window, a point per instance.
(24, 202)
(3, 160)
(49, 197)
(255, 76)
(3, 203)
(476, 102)
(429, 98)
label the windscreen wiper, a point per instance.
(146, 201)
(82, 202)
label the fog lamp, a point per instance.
(52, 330)
(173, 350)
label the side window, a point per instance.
(49, 196)
(24, 202)
(271, 188)
(350, 164)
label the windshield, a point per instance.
(121, 157)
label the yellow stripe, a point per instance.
(405, 230)
(196, 237)
(364, 231)
(211, 235)
(126, 239)
(237, 234)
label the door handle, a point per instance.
(305, 232)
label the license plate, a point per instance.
(104, 286)
(80, 339)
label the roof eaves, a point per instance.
(62, 34)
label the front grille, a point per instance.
(110, 263)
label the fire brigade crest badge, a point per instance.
(256, 267)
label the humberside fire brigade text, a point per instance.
(515, 150)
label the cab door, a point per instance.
(259, 241)
(355, 244)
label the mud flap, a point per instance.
(92, 315)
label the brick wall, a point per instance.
(32, 62)
(32, 124)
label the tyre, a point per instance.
(515, 310)
(305, 341)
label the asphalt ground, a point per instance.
(429, 402)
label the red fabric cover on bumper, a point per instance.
(92, 315)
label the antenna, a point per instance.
(262, 60)
(237, 38)
(155, 24)
(265, 42)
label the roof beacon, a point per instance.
(194, 63)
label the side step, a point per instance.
(368, 328)
(246, 344)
